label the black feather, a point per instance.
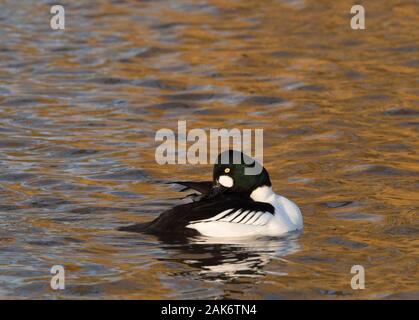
(201, 186)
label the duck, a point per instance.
(235, 204)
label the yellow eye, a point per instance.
(227, 170)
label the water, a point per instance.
(79, 110)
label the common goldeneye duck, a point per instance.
(234, 204)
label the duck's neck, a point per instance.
(263, 194)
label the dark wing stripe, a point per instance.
(243, 216)
(240, 217)
(251, 216)
(258, 217)
(234, 215)
(212, 219)
(229, 213)
(255, 217)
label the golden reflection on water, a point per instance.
(80, 109)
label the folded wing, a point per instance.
(231, 209)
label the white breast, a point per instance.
(242, 223)
(285, 209)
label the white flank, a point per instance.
(241, 223)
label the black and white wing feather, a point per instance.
(188, 218)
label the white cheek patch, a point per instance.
(226, 181)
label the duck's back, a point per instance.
(184, 218)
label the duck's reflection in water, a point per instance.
(227, 259)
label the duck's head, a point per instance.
(231, 175)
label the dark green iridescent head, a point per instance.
(231, 173)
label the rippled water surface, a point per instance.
(78, 114)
